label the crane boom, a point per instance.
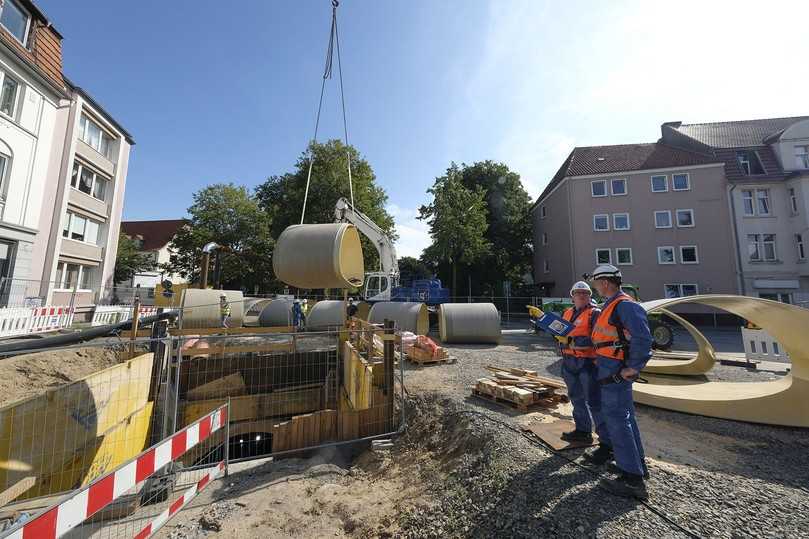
(345, 213)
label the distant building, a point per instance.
(153, 238)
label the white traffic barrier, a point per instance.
(759, 345)
(23, 320)
(15, 321)
(113, 314)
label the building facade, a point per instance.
(153, 239)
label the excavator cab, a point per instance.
(377, 287)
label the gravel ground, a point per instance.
(714, 477)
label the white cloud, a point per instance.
(414, 235)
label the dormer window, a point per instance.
(749, 162)
(15, 20)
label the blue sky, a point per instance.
(214, 94)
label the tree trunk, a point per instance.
(454, 278)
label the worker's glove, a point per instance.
(563, 340)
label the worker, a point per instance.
(224, 310)
(578, 366)
(304, 311)
(623, 346)
(297, 314)
(351, 308)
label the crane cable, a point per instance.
(334, 42)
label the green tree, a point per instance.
(228, 215)
(129, 260)
(282, 196)
(457, 217)
(411, 269)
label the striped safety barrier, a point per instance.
(82, 504)
(24, 320)
(113, 314)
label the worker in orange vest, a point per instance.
(578, 366)
(623, 345)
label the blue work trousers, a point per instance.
(582, 387)
(618, 409)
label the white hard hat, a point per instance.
(223, 296)
(580, 286)
(606, 270)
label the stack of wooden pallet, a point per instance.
(519, 388)
(425, 350)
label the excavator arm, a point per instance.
(344, 213)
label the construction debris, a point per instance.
(425, 350)
(519, 388)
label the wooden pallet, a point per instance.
(539, 403)
(428, 360)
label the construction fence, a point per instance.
(119, 451)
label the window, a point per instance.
(665, 255)
(660, 184)
(3, 168)
(618, 187)
(679, 290)
(80, 228)
(598, 188)
(749, 162)
(620, 221)
(680, 182)
(601, 222)
(544, 238)
(542, 212)
(763, 201)
(747, 200)
(95, 137)
(688, 254)
(15, 19)
(793, 201)
(70, 276)
(802, 156)
(603, 256)
(87, 181)
(776, 296)
(663, 219)
(8, 96)
(623, 256)
(546, 267)
(799, 245)
(685, 218)
(761, 247)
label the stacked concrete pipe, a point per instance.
(200, 308)
(407, 316)
(326, 314)
(470, 323)
(277, 313)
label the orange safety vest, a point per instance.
(581, 328)
(606, 339)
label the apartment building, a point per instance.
(708, 208)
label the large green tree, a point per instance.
(129, 260)
(411, 269)
(228, 215)
(457, 217)
(282, 196)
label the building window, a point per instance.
(601, 222)
(620, 221)
(542, 212)
(685, 218)
(776, 296)
(618, 187)
(598, 188)
(3, 171)
(749, 162)
(688, 254)
(73, 276)
(747, 202)
(79, 228)
(95, 137)
(665, 255)
(799, 245)
(603, 256)
(87, 181)
(15, 19)
(544, 238)
(763, 201)
(663, 219)
(623, 255)
(802, 156)
(680, 290)
(793, 201)
(546, 267)
(680, 182)
(660, 184)
(761, 247)
(8, 96)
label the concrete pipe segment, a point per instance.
(277, 313)
(477, 323)
(326, 314)
(406, 316)
(200, 308)
(319, 256)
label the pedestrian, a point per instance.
(623, 345)
(578, 366)
(224, 311)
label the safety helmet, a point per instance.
(606, 270)
(580, 286)
(222, 296)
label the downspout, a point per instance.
(739, 271)
(573, 278)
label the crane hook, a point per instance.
(335, 3)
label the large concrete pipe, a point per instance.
(363, 308)
(277, 313)
(200, 308)
(407, 316)
(469, 323)
(326, 314)
(253, 308)
(319, 256)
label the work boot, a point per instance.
(600, 455)
(627, 485)
(612, 467)
(577, 436)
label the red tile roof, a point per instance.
(155, 234)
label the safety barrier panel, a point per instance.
(79, 507)
(23, 320)
(760, 345)
(114, 314)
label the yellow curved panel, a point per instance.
(703, 362)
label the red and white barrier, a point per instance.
(180, 502)
(82, 504)
(24, 320)
(113, 314)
